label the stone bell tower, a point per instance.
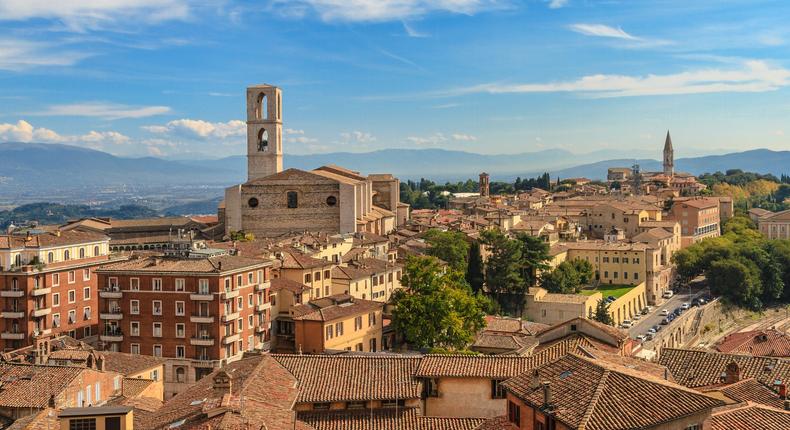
(669, 157)
(264, 131)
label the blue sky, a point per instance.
(167, 77)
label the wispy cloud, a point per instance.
(17, 55)
(82, 15)
(436, 139)
(464, 137)
(751, 77)
(601, 30)
(23, 131)
(378, 10)
(556, 4)
(357, 137)
(412, 32)
(102, 110)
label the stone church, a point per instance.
(329, 199)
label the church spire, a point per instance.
(669, 157)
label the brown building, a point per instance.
(698, 218)
(198, 312)
(48, 285)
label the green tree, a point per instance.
(474, 269)
(449, 246)
(503, 269)
(563, 279)
(534, 258)
(602, 313)
(436, 309)
(737, 281)
(584, 269)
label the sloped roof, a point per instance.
(401, 419)
(699, 368)
(750, 417)
(770, 343)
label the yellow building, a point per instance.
(100, 418)
(367, 279)
(613, 262)
(550, 308)
(627, 216)
(313, 272)
(337, 323)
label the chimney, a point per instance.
(666, 374)
(547, 396)
(222, 382)
(732, 373)
(534, 381)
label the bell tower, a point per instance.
(669, 157)
(264, 131)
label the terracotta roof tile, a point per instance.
(698, 368)
(751, 390)
(402, 419)
(750, 417)
(161, 264)
(770, 343)
(129, 364)
(334, 307)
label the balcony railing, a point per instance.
(40, 291)
(12, 313)
(111, 292)
(12, 293)
(201, 318)
(203, 340)
(205, 296)
(111, 335)
(40, 311)
(12, 335)
(112, 314)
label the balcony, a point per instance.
(202, 341)
(262, 327)
(205, 363)
(8, 335)
(40, 312)
(114, 314)
(202, 319)
(201, 296)
(263, 285)
(227, 295)
(263, 306)
(111, 292)
(40, 291)
(230, 317)
(110, 335)
(45, 332)
(12, 314)
(12, 293)
(230, 339)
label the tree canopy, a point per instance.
(451, 247)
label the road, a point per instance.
(655, 317)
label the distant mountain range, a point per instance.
(34, 166)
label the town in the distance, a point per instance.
(334, 299)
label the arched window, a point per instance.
(66, 255)
(82, 252)
(18, 260)
(262, 107)
(180, 374)
(293, 200)
(50, 257)
(96, 251)
(263, 140)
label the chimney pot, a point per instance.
(547, 395)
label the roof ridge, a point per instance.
(594, 400)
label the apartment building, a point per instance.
(367, 279)
(624, 215)
(316, 273)
(48, 285)
(698, 218)
(773, 225)
(197, 312)
(613, 262)
(337, 323)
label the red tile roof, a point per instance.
(401, 419)
(750, 417)
(698, 368)
(770, 343)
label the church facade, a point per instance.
(329, 199)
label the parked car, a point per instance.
(657, 328)
(664, 312)
(651, 330)
(637, 317)
(666, 321)
(641, 338)
(668, 294)
(626, 324)
(611, 298)
(684, 306)
(650, 336)
(646, 311)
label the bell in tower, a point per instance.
(264, 131)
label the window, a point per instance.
(371, 319)
(156, 307)
(249, 300)
(180, 351)
(55, 299)
(157, 329)
(72, 277)
(513, 413)
(134, 284)
(95, 251)
(82, 423)
(636, 275)
(339, 329)
(86, 274)
(134, 348)
(250, 278)
(50, 257)
(179, 308)
(180, 330)
(72, 316)
(55, 279)
(252, 202)
(263, 140)
(86, 293)
(156, 284)
(328, 332)
(156, 353)
(82, 252)
(331, 201)
(239, 303)
(694, 427)
(373, 345)
(181, 374)
(203, 286)
(134, 328)
(250, 321)
(239, 281)
(327, 274)
(431, 387)
(293, 200)
(308, 278)
(72, 296)
(497, 390)
(134, 307)
(66, 255)
(240, 324)
(180, 284)
(86, 313)
(98, 392)
(55, 320)
(357, 323)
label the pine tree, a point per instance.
(474, 268)
(602, 313)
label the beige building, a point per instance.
(367, 279)
(627, 216)
(550, 308)
(329, 199)
(337, 323)
(774, 225)
(613, 262)
(312, 272)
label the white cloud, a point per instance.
(434, 139)
(293, 131)
(556, 4)
(753, 76)
(80, 15)
(600, 30)
(412, 32)
(16, 54)
(464, 137)
(201, 129)
(357, 137)
(23, 131)
(381, 10)
(112, 137)
(102, 110)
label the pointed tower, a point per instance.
(669, 157)
(264, 131)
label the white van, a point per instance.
(668, 294)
